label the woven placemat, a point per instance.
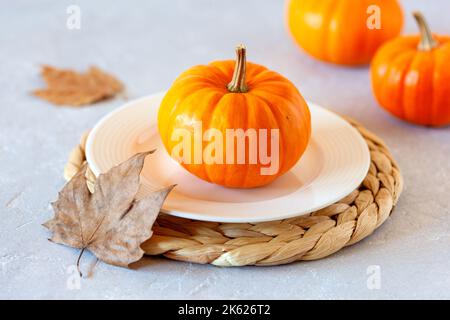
(308, 237)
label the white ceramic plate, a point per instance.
(334, 164)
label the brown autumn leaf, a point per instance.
(110, 222)
(67, 87)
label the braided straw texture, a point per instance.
(310, 237)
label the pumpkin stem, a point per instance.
(237, 84)
(427, 41)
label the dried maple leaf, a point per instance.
(67, 87)
(110, 222)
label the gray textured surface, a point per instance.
(147, 44)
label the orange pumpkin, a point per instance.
(343, 31)
(235, 95)
(411, 77)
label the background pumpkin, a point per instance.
(411, 77)
(336, 30)
(255, 98)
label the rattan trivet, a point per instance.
(279, 242)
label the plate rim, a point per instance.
(195, 216)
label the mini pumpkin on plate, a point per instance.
(411, 77)
(209, 108)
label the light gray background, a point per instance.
(147, 44)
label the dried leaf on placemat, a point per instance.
(67, 87)
(110, 222)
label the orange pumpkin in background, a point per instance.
(343, 31)
(235, 95)
(411, 77)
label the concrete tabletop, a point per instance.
(147, 44)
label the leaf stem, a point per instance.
(78, 261)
